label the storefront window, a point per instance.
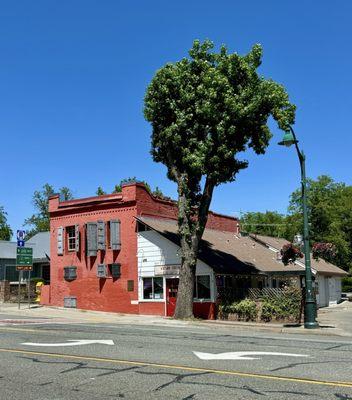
(153, 288)
(202, 287)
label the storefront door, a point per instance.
(171, 296)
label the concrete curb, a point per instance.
(80, 316)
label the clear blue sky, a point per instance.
(73, 75)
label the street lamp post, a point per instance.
(309, 306)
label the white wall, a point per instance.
(329, 290)
(155, 250)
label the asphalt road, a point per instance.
(151, 362)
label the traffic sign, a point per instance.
(24, 268)
(24, 258)
(21, 235)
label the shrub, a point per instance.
(347, 284)
(269, 311)
(245, 309)
(287, 305)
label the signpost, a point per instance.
(21, 235)
(24, 259)
(24, 262)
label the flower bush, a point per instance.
(326, 251)
(290, 253)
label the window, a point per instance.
(202, 287)
(115, 270)
(153, 288)
(142, 227)
(71, 238)
(70, 273)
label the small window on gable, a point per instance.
(142, 227)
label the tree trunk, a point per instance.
(191, 231)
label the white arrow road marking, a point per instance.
(243, 355)
(71, 343)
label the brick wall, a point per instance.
(108, 294)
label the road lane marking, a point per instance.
(242, 355)
(71, 342)
(182, 367)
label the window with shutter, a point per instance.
(70, 233)
(70, 273)
(92, 239)
(60, 241)
(101, 271)
(101, 235)
(115, 270)
(115, 234)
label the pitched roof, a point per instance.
(228, 253)
(39, 242)
(321, 266)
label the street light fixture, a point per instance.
(309, 307)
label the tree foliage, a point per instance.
(330, 217)
(157, 192)
(330, 220)
(5, 229)
(100, 191)
(40, 221)
(205, 110)
(270, 223)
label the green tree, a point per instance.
(205, 111)
(270, 223)
(5, 230)
(157, 192)
(330, 216)
(40, 221)
(100, 191)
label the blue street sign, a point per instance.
(21, 235)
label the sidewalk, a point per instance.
(334, 321)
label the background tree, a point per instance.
(270, 223)
(330, 217)
(157, 192)
(204, 111)
(40, 222)
(5, 230)
(100, 191)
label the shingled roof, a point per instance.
(229, 253)
(320, 265)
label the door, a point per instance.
(171, 296)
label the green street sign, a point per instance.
(24, 257)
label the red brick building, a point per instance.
(96, 262)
